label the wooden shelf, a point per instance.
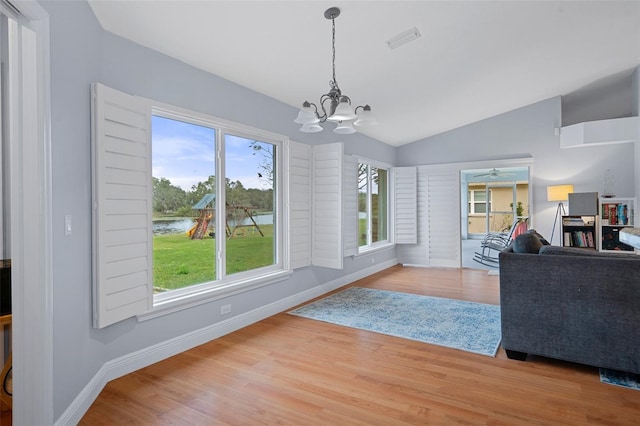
(579, 232)
(616, 214)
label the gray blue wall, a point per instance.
(529, 132)
(82, 53)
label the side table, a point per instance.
(630, 236)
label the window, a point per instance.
(373, 202)
(208, 230)
(188, 207)
(184, 172)
(478, 201)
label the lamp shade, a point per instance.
(344, 128)
(559, 192)
(365, 117)
(311, 128)
(306, 115)
(343, 112)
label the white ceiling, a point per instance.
(475, 59)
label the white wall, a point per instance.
(524, 132)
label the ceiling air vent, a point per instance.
(403, 38)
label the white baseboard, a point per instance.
(136, 360)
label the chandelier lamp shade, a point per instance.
(334, 106)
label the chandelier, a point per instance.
(336, 107)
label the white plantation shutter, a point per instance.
(326, 248)
(443, 216)
(300, 203)
(122, 206)
(405, 204)
(418, 254)
(438, 219)
(350, 206)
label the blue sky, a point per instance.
(184, 153)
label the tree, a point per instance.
(202, 188)
(266, 151)
(236, 194)
(261, 199)
(167, 197)
(362, 176)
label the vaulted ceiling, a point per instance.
(474, 59)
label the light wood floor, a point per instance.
(295, 371)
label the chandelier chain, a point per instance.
(333, 48)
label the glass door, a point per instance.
(501, 213)
(494, 199)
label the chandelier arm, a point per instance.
(315, 108)
(324, 115)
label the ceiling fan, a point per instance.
(494, 174)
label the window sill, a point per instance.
(373, 249)
(211, 294)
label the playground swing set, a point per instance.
(206, 217)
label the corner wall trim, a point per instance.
(144, 357)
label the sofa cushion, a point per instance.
(528, 242)
(574, 251)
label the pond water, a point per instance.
(172, 226)
(183, 224)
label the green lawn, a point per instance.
(179, 261)
(362, 232)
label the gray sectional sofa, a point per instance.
(571, 304)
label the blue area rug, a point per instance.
(620, 378)
(468, 326)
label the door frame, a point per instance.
(31, 215)
(490, 164)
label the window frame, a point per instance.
(122, 269)
(472, 201)
(389, 241)
(226, 285)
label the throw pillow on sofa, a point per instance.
(529, 242)
(542, 239)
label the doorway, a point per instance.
(6, 370)
(491, 199)
(26, 206)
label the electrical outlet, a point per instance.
(225, 309)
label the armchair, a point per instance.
(493, 243)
